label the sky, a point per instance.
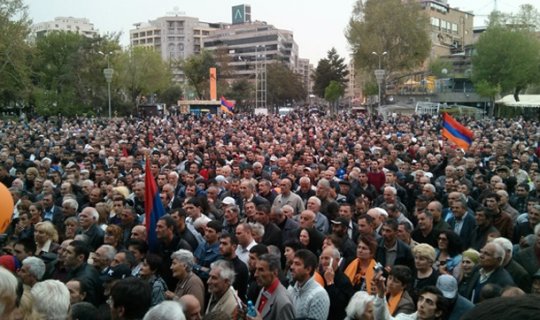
(318, 25)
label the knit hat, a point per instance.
(9, 262)
(472, 254)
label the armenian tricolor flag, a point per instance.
(226, 105)
(153, 208)
(456, 132)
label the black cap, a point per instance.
(117, 272)
(341, 221)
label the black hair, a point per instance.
(402, 273)
(80, 247)
(455, 246)
(129, 290)
(259, 249)
(139, 245)
(309, 259)
(154, 261)
(232, 237)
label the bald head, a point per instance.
(192, 306)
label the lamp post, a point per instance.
(108, 73)
(379, 73)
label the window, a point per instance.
(435, 22)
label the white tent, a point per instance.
(525, 101)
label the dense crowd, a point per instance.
(270, 217)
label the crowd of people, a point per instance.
(270, 217)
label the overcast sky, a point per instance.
(317, 25)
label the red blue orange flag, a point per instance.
(226, 105)
(153, 208)
(456, 132)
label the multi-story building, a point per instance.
(174, 37)
(77, 25)
(251, 44)
(451, 29)
(304, 69)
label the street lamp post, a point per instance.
(379, 73)
(108, 73)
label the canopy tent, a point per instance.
(525, 101)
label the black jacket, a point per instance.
(403, 255)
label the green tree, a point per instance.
(283, 85)
(68, 73)
(171, 95)
(393, 26)
(242, 92)
(197, 71)
(141, 72)
(506, 60)
(14, 53)
(332, 94)
(331, 68)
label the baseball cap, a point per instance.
(117, 272)
(229, 201)
(340, 221)
(448, 286)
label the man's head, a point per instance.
(221, 277)
(262, 214)
(192, 307)
(491, 256)
(431, 304)
(243, 234)
(31, 271)
(103, 256)
(390, 231)
(77, 290)
(329, 255)
(267, 269)
(165, 228)
(88, 217)
(124, 292)
(425, 221)
(307, 219)
(304, 265)
(227, 245)
(76, 254)
(138, 232)
(212, 231)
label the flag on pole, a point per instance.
(153, 208)
(456, 132)
(226, 105)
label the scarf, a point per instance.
(393, 302)
(355, 274)
(319, 279)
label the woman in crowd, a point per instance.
(360, 307)
(150, 272)
(307, 239)
(448, 257)
(397, 297)
(426, 275)
(46, 238)
(71, 225)
(361, 270)
(469, 261)
(113, 237)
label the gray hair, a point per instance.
(226, 270)
(166, 310)
(499, 252)
(430, 187)
(391, 189)
(72, 203)
(505, 244)
(274, 262)
(36, 267)
(8, 289)
(110, 251)
(257, 229)
(357, 305)
(185, 257)
(93, 211)
(317, 200)
(323, 183)
(51, 299)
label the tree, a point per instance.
(171, 95)
(242, 91)
(506, 60)
(141, 72)
(397, 27)
(197, 71)
(283, 85)
(68, 72)
(14, 53)
(331, 68)
(332, 93)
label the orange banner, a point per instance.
(213, 86)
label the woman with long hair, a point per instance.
(448, 253)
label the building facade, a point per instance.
(251, 44)
(81, 26)
(174, 37)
